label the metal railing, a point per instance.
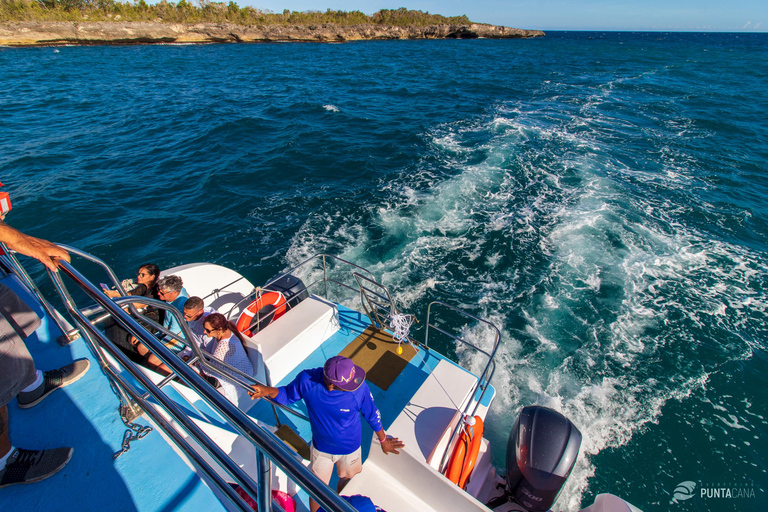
(483, 381)
(168, 415)
(323, 260)
(210, 365)
(324, 280)
(376, 300)
(12, 263)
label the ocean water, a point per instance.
(601, 197)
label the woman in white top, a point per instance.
(227, 346)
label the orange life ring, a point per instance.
(274, 299)
(464, 455)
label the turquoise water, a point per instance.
(599, 196)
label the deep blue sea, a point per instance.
(601, 197)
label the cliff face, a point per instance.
(48, 33)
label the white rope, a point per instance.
(400, 325)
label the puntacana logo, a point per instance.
(683, 491)
(718, 491)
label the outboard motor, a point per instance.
(541, 451)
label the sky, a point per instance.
(663, 15)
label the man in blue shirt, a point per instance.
(171, 290)
(336, 395)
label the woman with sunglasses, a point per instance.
(145, 286)
(228, 346)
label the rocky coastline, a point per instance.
(111, 32)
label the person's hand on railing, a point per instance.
(260, 391)
(44, 251)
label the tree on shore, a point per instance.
(204, 11)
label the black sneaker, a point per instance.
(29, 466)
(53, 380)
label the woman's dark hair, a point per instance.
(152, 269)
(219, 322)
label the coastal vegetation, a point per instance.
(205, 11)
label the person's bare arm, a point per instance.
(260, 391)
(46, 252)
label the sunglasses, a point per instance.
(209, 331)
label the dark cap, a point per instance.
(343, 373)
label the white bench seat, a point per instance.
(408, 481)
(428, 419)
(287, 341)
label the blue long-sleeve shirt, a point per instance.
(333, 415)
(170, 321)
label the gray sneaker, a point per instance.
(29, 466)
(53, 380)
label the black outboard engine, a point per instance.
(541, 452)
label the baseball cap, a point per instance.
(343, 373)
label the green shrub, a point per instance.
(184, 11)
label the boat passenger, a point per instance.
(335, 395)
(18, 375)
(228, 346)
(145, 286)
(195, 313)
(171, 290)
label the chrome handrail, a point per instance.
(324, 280)
(236, 376)
(372, 299)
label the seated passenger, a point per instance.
(227, 346)
(195, 313)
(171, 290)
(145, 286)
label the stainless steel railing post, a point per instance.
(22, 274)
(264, 477)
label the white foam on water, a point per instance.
(625, 283)
(331, 108)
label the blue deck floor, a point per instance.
(150, 477)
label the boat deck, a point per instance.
(150, 477)
(399, 404)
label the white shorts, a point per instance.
(347, 466)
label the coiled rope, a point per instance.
(400, 325)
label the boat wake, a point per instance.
(610, 301)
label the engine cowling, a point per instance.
(541, 452)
